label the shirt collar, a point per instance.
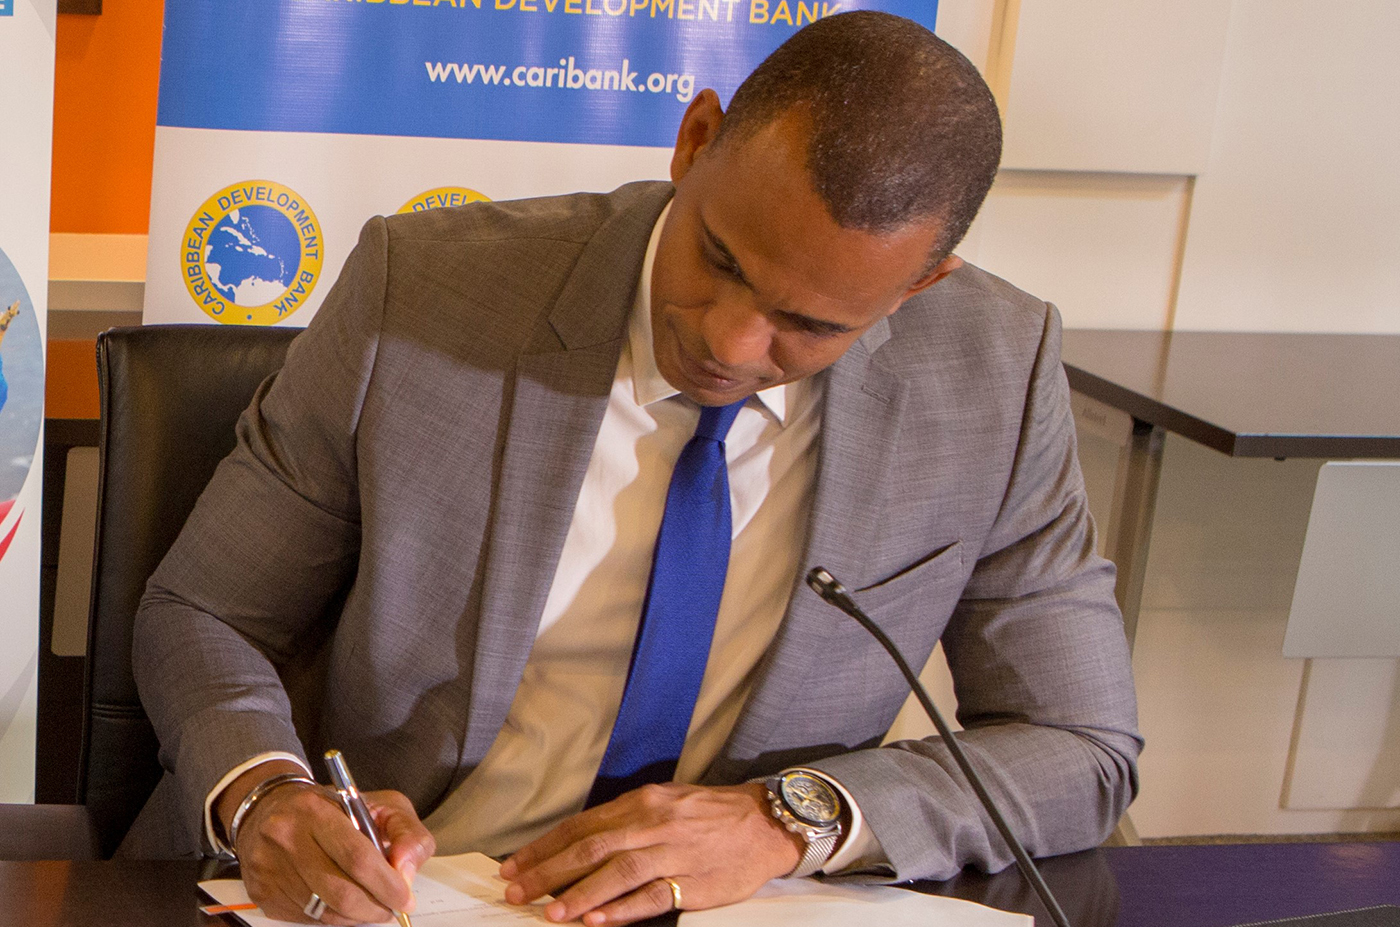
(648, 384)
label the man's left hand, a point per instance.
(609, 864)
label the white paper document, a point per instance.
(458, 891)
(451, 891)
(808, 903)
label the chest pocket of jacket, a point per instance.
(934, 582)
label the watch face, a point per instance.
(810, 799)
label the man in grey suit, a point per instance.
(430, 545)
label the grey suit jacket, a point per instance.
(373, 558)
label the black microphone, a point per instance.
(826, 586)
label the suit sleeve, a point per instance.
(1042, 674)
(250, 583)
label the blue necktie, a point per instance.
(678, 616)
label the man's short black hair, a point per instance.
(903, 128)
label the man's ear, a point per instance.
(698, 128)
(940, 270)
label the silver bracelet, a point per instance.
(256, 794)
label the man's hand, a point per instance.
(298, 840)
(718, 844)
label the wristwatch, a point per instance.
(806, 805)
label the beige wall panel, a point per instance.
(1114, 85)
(1228, 532)
(912, 722)
(1102, 247)
(77, 532)
(1104, 436)
(1217, 698)
(1216, 703)
(967, 26)
(1347, 752)
(1346, 602)
(1294, 222)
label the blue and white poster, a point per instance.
(285, 124)
(26, 113)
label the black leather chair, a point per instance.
(170, 396)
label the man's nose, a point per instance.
(737, 335)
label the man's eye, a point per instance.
(726, 267)
(811, 326)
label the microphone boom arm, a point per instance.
(832, 592)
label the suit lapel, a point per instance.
(860, 422)
(559, 395)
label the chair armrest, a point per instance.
(29, 832)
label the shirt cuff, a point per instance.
(210, 834)
(860, 849)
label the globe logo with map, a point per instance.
(256, 248)
(252, 253)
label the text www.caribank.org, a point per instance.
(566, 76)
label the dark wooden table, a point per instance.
(1195, 886)
(1249, 394)
(1198, 886)
(1243, 394)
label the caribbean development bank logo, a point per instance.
(252, 253)
(7, 7)
(441, 197)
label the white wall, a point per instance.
(1296, 220)
(1207, 165)
(1103, 247)
(1128, 85)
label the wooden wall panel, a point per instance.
(1102, 247)
(1114, 85)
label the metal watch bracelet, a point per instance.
(820, 840)
(817, 853)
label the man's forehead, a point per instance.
(786, 138)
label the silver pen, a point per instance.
(357, 809)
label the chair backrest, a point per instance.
(170, 396)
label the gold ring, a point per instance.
(675, 893)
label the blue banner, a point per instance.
(575, 71)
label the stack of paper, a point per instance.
(807, 903)
(457, 891)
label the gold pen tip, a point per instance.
(403, 920)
